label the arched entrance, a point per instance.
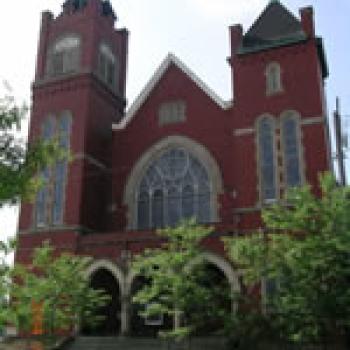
(216, 294)
(103, 279)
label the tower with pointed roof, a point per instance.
(278, 72)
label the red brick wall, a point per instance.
(90, 190)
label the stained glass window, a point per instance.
(43, 196)
(175, 186)
(266, 139)
(50, 198)
(61, 170)
(291, 155)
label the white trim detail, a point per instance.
(243, 132)
(140, 100)
(114, 269)
(311, 121)
(231, 275)
(92, 160)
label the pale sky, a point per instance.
(195, 30)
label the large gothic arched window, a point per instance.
(174, 187)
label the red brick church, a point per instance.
(178, 151)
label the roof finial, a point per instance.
(274, 2)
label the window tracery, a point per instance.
(175, 186)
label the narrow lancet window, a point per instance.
(273, 79)
(50, 201)
(43, 196)
(107, 66)
(267, 161)
(291, 150)
(64, 126)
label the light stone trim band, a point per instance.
(92, 160)
(304, 121)
(243, 132)
(314, 120)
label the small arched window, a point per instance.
(273, 79)
(290, 134)
(64, 56)
(175, 186)
(267, 159)
(107, 66)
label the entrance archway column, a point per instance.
(125, 314)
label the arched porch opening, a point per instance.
(110, 324)
(214, 305)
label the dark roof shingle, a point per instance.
(275, 25)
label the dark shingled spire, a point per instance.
(107, 9)
(72, 6)
(75, 5)
(275, 26)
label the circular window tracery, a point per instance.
(175, 186)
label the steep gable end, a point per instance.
(153, 82)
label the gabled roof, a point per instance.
(141, 99)
(276, 26)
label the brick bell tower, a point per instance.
(78, 92)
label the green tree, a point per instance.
(174, 273)
(59, 285)
(304, 253)
(6, 249)
(20, 163)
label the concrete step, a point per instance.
(120, 343)
(114, 343)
